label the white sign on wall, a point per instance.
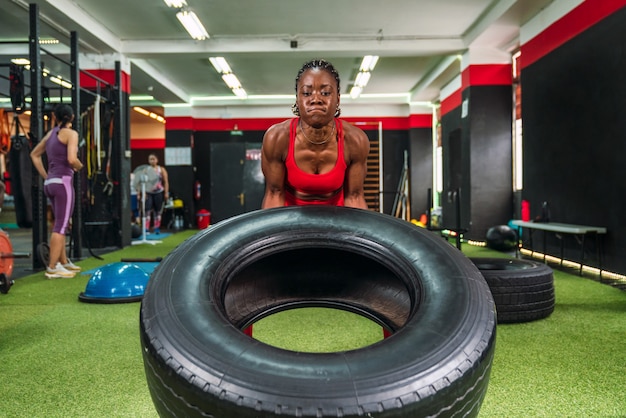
(177, 156)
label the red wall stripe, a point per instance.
(199, 125)
(89, 82)
(148, 143)
(179, 123)
(371, 124)
(421, 121)
(487, 75)
(451, 102)
(587, 14)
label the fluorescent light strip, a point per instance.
(149, 114)
(363, 77)
(192, 24)
(368, 63)
(355, 91)
(231, 80)
(140, 98)
(177, 4)
(220, 65)
(58, 80)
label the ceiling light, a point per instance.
(58, 80)
(141, 110)
(368, 63)
(21, 61)
(362, 79)
(355, 91)
(220, 65)
(192, 24)
(140, 97)
(241, 93)
(149, 114)
(231, 81)
(178, 4)
(49, 41)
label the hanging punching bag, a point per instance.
(21, 171)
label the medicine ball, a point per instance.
(501, 238)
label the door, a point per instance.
(453, 178)
(237, 183)
(253, 179)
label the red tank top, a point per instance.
(330, 183)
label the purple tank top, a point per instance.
(56, 151)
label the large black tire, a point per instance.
(199, 363)
(522, 289)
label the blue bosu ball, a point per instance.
(116, 283)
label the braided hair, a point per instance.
(318, 64)
(321, 65)
(63, 114)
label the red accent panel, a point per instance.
(371, 124)
(88, 81)
(179, 123)
(199, 125)
(229, 124)
(487, 75)
(140, 143)
(451, 102)
(587, 14)
(421, 121)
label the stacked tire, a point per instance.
(523, 290)
(432, 298)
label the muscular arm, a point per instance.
(35, 156)
(357, 149)
(273, 151)
(72, 149)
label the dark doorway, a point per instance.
(453, 178)
(237, 183)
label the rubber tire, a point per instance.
(523, 290)
(199, 363)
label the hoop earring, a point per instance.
(295, 109)
(337, 111)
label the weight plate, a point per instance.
(6, 254)
(43, 251)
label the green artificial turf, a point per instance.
(60, 357)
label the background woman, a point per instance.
(156, 197)
(61, 148)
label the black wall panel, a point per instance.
(395, 142)
(477, 161)
(451, 128)
(573, 104)
(490, 121)
(421, 169)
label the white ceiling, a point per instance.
(417, 41)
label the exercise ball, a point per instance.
(116, 283)
(501, 238)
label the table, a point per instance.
(578, 230)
